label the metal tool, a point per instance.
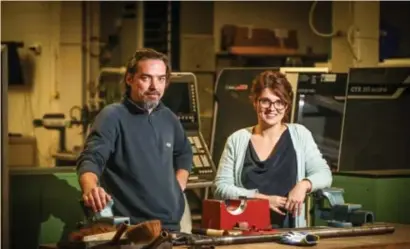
(331, 232)
(104, 216)
(338, 213)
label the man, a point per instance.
(137, 152)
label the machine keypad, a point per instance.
(202, 168)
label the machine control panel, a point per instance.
(202, 169)
(181, 96)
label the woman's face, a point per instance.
(270, 108)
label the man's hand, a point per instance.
(297, 196)
(93, 195)
(182, 178)
(96, 198)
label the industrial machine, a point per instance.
(181, 97)
(109, 88)
(376, 134)
(106, 91)
(320, 105)
(232, 90)
(59, 122)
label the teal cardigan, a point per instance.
(311, 165)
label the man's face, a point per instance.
(148, 83)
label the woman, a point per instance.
(273, 160)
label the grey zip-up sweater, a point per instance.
(135, 155)
(310, 165)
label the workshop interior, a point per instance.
(62, 62)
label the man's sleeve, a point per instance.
(99, 144)
(182, 149)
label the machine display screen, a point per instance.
(177, 98)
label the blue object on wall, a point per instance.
(388, 41)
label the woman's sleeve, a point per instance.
(317, 170)
(225, 187)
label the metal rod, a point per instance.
(322, 233)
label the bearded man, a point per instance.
(137, 152)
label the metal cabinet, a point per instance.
(385, 192)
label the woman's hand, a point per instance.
(277, 202)
(297, 196)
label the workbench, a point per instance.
(50, 192)
(400, 239)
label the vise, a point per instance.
(329, 205)
(228, 214)
(104, 216)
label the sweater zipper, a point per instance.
(153, 128)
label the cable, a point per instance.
(350, 41)
(350, 31)
(312, 26)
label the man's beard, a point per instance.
(148, 104)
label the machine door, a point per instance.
(320, 105)
(376, 130)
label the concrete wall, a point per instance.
(56, 75)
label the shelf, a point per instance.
(226, 54)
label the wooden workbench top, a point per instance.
(400, 239)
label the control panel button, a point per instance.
(191, 140)
(197, 161)
(193, 178)
(205, 161)
(197, 143)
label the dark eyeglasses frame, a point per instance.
(278, 104)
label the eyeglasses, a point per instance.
(266, 103)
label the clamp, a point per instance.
(338, 213)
